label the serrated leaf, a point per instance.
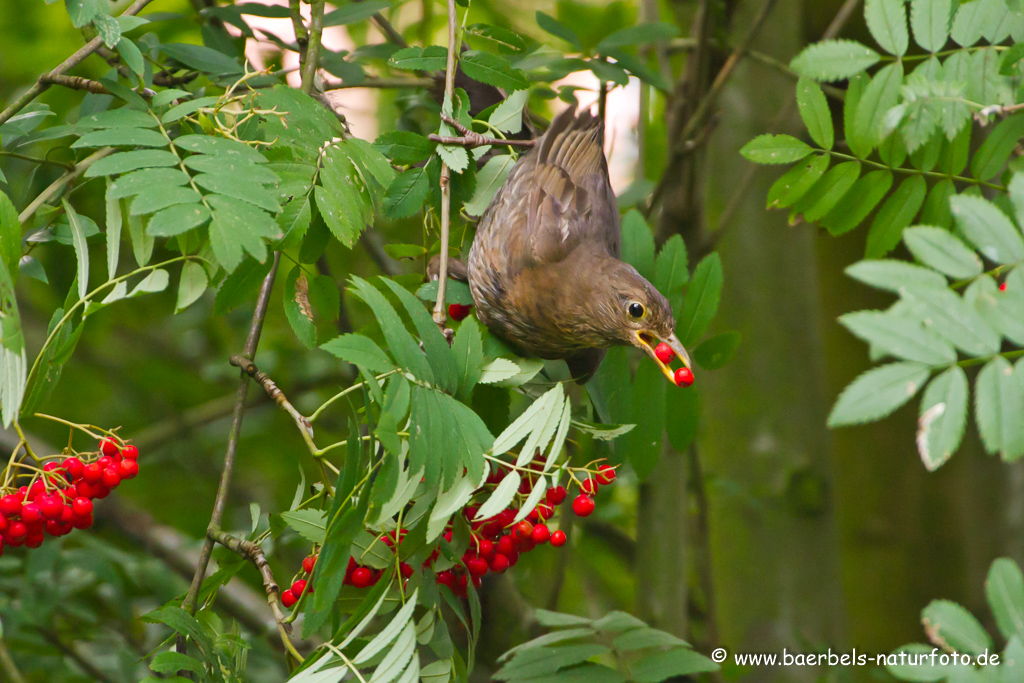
(81, 248)
(201, 58)
(177, 219)
(121, 137)
(930, 20)
(953, 319)
(998, 404)
(238, 186)
(502, 496)
(701, 301)
(359, 350)
(640, 34)
(949, 625)
(671, 269)
(988, 229)
(943, 417)
(775, 149)
(815, 112)
(401, 343)
(881, 95)
(493, 70)
(715, 352)
(489, 180)
(407, 194)
(191, 286)
(1004, 589)
(896, 213)
(877, 393)
(310, 524)
(159, 198)
(895, 276)
(405, 147)
(988, 161)
(123, 162)
(508, 116)
(858, 202)
(430, 58)
(828, 192)
(941, 250)
(887, 21)
(669, 664)
(901, 337)
(795, 183)
(556, 28)
(834, 60)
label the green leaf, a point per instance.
(834, 60)
(988, 161)
(815, 112)
(998, 404)
(123, 162)
(858, 202)
(297, 308)
(237, 225)
(402, 345)
(544, 661)
(121, 137)
(508, 42)
(82, 12)
(943, 417)
(177, 219)
(640, 34)
(717, 351)
(775, 149)
(556, 28)
(827, 192)
(931, 20)
(407, 194)
(896, 213)
(201, 58)
(949, 625)
(10, 235)
(493, 70)
(488, 181)
(81, 248)
(173, 662)
(310, 524)
(901, 337)
(456, 292)
(439, 354)
(988, 229)
(881, 95)
(936, 206)
(701, 301)
(508, 115)
(224, 148)
(887, 21)
(795, 183)
(350, 14)
(895, 276)
(141, 181)
(679, 661)
(405, 147)
(359, 350)
(239, 187)
(191, 286)
(1004, 589)
(340, 199)
(638, 244)
(671, 270)
(953, 319)
(132, 55)
(162, 197)
(468, 350)
(240, 286)
(939, 249)
(877, 393)
(430, 58)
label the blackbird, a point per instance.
(544, 269)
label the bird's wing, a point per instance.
(559, 196)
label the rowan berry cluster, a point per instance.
(496, 542)
(59, 496)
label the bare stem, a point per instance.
(312, 61)
(254, 554)
(67, 65)
(440, 311)
(255, 328)
(38, 160)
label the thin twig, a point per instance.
(478, 140)
(62, 182)
(254, 554)
(312, 61)
(440, 311)
(384, 83)
(75, 83)
(38, 160)
(68, 64)
(219, 503)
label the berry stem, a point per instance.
(73, 425)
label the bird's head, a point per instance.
(636, 313)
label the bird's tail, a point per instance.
(574, 143)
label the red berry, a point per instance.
(477, 566)
(544, 511)
(3, 524)
(664, 352)
(541, 534)
(298, 587)
(10, 505)
(606, 474)
(17, 531)
(558, 538)
(447, 579)
(50, 506)
(109, 448)
(101, 491)
(111, 477)
(82, 522)
(499, 563)
(34, 540)
(288, 599)
(506, 546)
(524, 529)
(405, 569)
(1002, 286)
(362, 577)
(684, 377)
(37, 489)
(458, 312)
(130, 452)
(104, 462)
(556, 495)
(55, 528)
(583, 505)
(128, 469)
(93, 473)
(589, 486)
(30, 512)
(309, 563)
(486, 549)
(74, 467)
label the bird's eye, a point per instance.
(635, 310)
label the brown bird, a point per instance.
(544, 269)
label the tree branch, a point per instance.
(62, 182)
(440, 312)
(68, 64)
(219, 503)
(75, 83)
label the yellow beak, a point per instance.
(648, 342)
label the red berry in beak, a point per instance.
(664, 353)
(1002, 287)
(684, 377)
(458, 312)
